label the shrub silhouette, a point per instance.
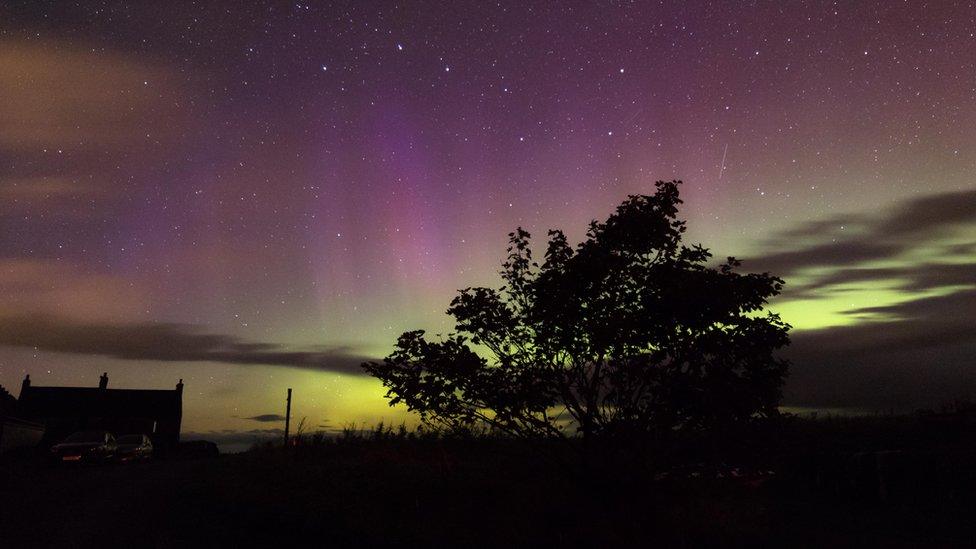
(630, 332)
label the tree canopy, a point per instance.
(628, 332)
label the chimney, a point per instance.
(179, 386)
(25, 385)
(103, 381)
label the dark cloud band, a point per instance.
(915, 353)
(164, 342)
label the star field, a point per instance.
(260, 196)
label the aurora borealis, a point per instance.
(255, 198)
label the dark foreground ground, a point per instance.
(841, 484)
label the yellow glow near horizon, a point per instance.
(836, 305)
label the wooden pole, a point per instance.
(287, 416)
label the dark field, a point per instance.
(897, 482)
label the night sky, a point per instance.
(256, 198)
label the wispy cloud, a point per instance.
(165, 342)
(846, 240)
(110, 101)
(267, 418)
(911, 348)
(921, 357)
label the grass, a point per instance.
(387, 486)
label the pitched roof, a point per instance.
(74, 401)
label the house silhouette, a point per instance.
(64, 410)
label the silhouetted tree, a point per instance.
(629, 332)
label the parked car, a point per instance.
(86, 446)
(134, 448)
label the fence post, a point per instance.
(287, 416)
